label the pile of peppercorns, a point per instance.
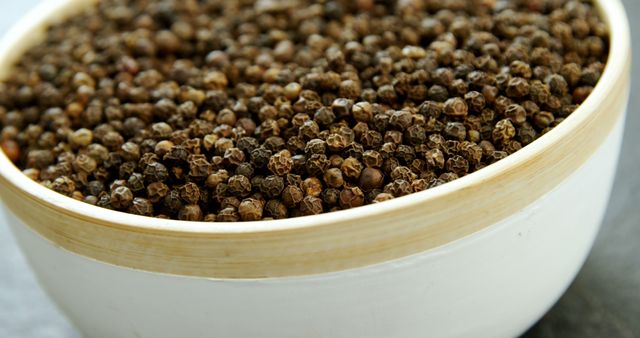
(222, 110)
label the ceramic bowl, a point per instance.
(483, 256)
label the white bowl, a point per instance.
(483, 256)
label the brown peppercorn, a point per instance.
(317, 164)
(415, 135)
(311, 205)
(63, 185)
(456, 107)
(276, 209)
(190, 212)
(419, 185)
(403, 173)
(315, 146)
(405, 153)
(77, 195)
(371, 178)
(239, 185)
(400, 119)
(155, 172)
(141, 206)
(516, 113)
(351, 197)
(271, 186)
(292, 90)
(130, 151)
(350, 89)
(434, 159)
(309, 130)
(503, 131)
(342, 107)
(543, 119)
(497, 156)
(112, 140)
(398, 188)
(81, 137)
(336, 142)
(228, 215)
(260, 157)
(156, 191)
(455, 130)
(517, 87)
(280, 163)
(292, 195)
(234, 156)
(220, 176)
(351, 168)
(121, 197)
(250, 209)
(475, 101)
(312, 186)
(11, 149)
(333, 178)
(84, 163)
(381, 197)
(372, 158)
(458, 165)
(324, 116)
(39, 159)
(362, 112)
(190, 193)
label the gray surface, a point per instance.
(604, 301)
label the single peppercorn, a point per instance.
(63, 185)
(141, 206)
(503, 131)
(121, 197)
(351, 168)
(81, 137)
(239, 185)
(372, 158)
(456, 107)
(190, 212)
(311, 205)
(312, 186)
(292, 195)
(371, 178)
(280, 163)
(276, 209)
(516, 113)
(250, 209)
(333, 178)
(272, 186)
(351, 197)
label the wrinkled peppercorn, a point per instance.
(250, 209)
(311, 205)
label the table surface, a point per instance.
(604, 300)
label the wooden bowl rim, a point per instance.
(612, 11)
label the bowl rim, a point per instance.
(612, 12)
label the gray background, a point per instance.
(604, 300)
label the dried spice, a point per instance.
(205, 111)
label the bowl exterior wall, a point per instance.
(494, 283)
